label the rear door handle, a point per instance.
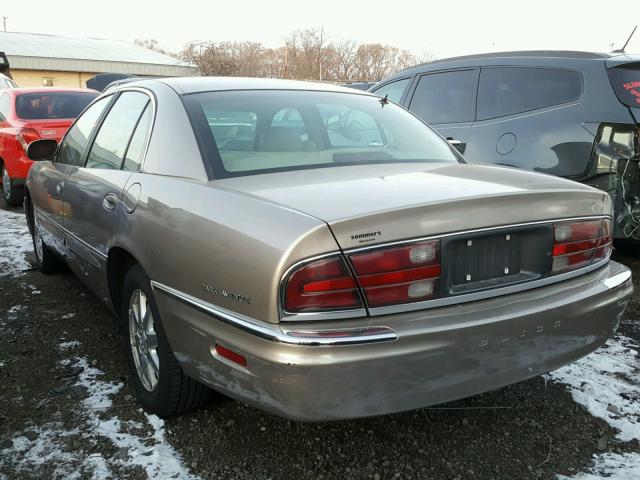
(110, 201)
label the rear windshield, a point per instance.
(42, 106)
(251, 132)
(626, 83)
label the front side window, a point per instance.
(509, 90)
(54, 105)
(75, 141)
(112, 140)
(394, 90)
(446, 97)
(252, 132)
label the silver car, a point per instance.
(316, 251)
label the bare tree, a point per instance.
(346, 59)
(151, 44)
(306, 54)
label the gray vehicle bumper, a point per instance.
(439, 355)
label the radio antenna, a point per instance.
(627, 42)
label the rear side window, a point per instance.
(445, 97)
(37, 106)
(135, 153)
(394, 90)
(626, 83)
(75, 141)
(510, 90)
(112, 140)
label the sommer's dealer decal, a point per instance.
(633, 88)
(366, 237)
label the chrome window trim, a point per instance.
(275, 333)
(438, 302)
(154, 104)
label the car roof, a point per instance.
(498, 58)
(186, 85)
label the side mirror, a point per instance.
(41, 149)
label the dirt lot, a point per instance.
(67, 410)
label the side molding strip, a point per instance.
(303, 337)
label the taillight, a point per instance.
(579, 244)
(321, 285)
(399, 274)
(25, 136)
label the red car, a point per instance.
(28, 114)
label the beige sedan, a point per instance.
(316, 251)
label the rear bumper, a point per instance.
(437, 355)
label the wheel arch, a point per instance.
(119, 261)
(28, 210)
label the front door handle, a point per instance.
(110, 201)
(60, 186)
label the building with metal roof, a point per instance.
(50, 60)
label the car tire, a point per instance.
(159, 382)
(627, 247)
(12, 194)
(46, 260)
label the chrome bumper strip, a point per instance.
(274, 333)
(616, 280)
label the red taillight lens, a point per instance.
(25, 136)
(324, 284)
(399, 274)
(231, 355)
(579, 244)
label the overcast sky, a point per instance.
(444, 29)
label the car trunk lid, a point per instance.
(49, 129)
(372, 204)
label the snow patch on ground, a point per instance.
(606, 384)
(15, 243)
(618, 466)
(50, 449)
(67, 345)
(13, 314)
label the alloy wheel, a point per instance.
(143, 340)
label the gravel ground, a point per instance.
(68, 410)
